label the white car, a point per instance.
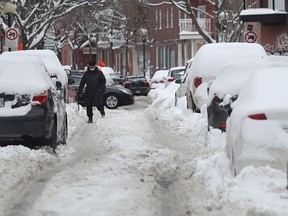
(173, 74)
(257, 129)
(207, 64)
(181, 91)
(234, 74)
(157, 80)
(52, 64)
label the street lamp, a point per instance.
(9, 9)
(144, 40)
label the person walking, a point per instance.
(95, 87)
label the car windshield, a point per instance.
(136, 79)
(175, 72)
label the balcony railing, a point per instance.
(267, 12)
(278, 5)
(187, 25)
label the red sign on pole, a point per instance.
(250, 37)
(11, 38)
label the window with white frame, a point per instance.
(160, 19)
(156, 19)
(171, 16)
(157, 57)
(201, 11)
(279, 4)
(167, 17)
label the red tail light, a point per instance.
(197, 81)
(161, 81)
(260, 116)
(170, 79)
(222, 126)
(40, 99)
(217, 99)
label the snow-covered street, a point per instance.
(150, 158)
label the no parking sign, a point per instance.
(250, 37)
(11, 38)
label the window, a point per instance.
(160, 19)
(171, 16)
(278, 4)
(201, 12)
(156, 19)
(167, 17)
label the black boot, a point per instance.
(90, 120)
(102, 113)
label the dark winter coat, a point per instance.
(95, 86)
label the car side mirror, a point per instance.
(71, 81)
(58, 85)
(178, 81)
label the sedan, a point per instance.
(139, 85)
(257, 129)
(114, 96)
(32, 111)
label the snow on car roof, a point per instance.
(265, 89)
(210, 57)
(23, 75)
(159, 74)
(235, 73)
(50, 60)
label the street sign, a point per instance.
(11, 38)
(250, 37)
(222, 37)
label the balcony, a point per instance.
(267, 12)
(188, 30)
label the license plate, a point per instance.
(138, 91)
(285, 128)
(2, 102)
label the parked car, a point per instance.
(207, 63)
(51, 62)
(181, 91)
(234, 74)
(67, 69)
(114, 96)
(173, 74)
(139, 85)
(32, 112)
(158, 78)
(258, 125)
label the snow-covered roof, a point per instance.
(260, 11)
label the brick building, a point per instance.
(266, 20)
(173, 37)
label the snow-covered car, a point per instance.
(52, 64)
(158, 78)
(31, 108)
(114, 96)
(181, 91)
(258, 125)
(234, 74)
(208, 61)
(173, 74)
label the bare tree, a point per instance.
(231, 10)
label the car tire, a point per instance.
(65, 132)
(175, 104)
(52, 141)
(111, 101)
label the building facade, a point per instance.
(173, 37)
(266, 20)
